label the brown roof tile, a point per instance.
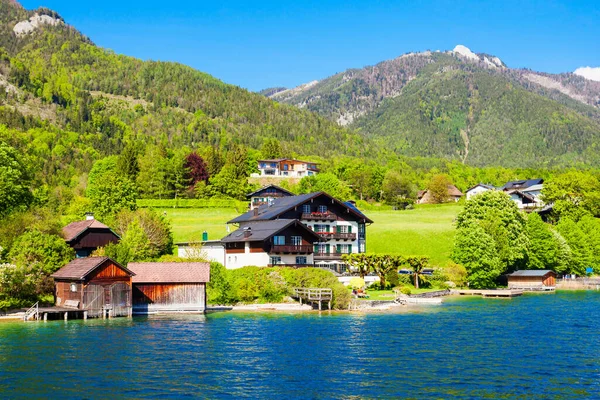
(79, 268)
(170, 272)
(74, 229)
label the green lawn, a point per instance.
(427, 230)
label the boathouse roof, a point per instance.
(80, 268)
(532, 272)
(170, 272)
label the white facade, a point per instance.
(347, 246)
(476, 190)
(210, 251)
(262, 259)
(286, 168)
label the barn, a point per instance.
(163, 287)
(87, 235)
(538, 279)
(98, 285)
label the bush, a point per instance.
(270, 285)
(405, 290)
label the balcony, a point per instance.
(292, 249)
(337, 235)
(317, 216)
(329, 256)
(291, 265)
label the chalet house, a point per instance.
(287, 168)
(285, 242)
(160, 287)
(266, 195)
(424, 197)
(479, 188)
(340, 226)
(98, 285)
(542, 279)
(526, 193)
(87, 235)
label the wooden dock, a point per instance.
(492, 293)
(314, 295)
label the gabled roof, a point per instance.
(74, 229)
(260, 231)
(278, 160)
(282, 190)
(452, 191)
(532, 272)
(489, 187)
(522, 195)
(521, 184)
(170, 272)
(533, 188)
(279, 206)
(79, 268)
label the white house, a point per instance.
(479, 188)
(287, 168)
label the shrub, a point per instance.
(405, 290)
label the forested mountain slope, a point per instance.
(464, 106)
(86, 102)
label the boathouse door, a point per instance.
(120, 299)
(93, 300)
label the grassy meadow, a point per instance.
(427, 230)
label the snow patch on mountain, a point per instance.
(25, 27)
(465, 52)
(591, 73)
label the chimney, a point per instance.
(89, 216)
(247, 232)
(255, 211)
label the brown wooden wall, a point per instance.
(62, 292)
(108, 273)
(170, 296)
(548, 280)
(94, 238)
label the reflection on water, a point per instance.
(538, 346)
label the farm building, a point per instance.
(424, 196)
(169, 286)
(87, 235)
(541, 279)
(98, 285)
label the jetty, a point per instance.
(491, 293)
(314, 295)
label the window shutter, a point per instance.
(338, 248)
(316, 248)
(328, 248)
(349, 228)
(328, 228)
(338, 229)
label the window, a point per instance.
(306, 208)
(342, 228)
(273, 165)
(301, 260)
(322, 209)
(322, 228)
(310, 173)
(297, 240)
(73, 287)
(279, 240)
(285, 173)
(274, 260)
(285, 167)
(322, 248)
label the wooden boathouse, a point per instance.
(162, 287)
(98, 286)
(537, 279)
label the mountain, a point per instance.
(57, 80)
(462, 105)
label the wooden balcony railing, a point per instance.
(337, 235)
(334, 255)
(302, 249)
(292, 265)
(317, 216)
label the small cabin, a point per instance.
(160, 287)
(539, 279)
(87, 235)
(266, 195)
(424, 196)
(98, 285)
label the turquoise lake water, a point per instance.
(535, 346)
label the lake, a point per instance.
(536, 346)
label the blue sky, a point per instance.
(260, 44)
